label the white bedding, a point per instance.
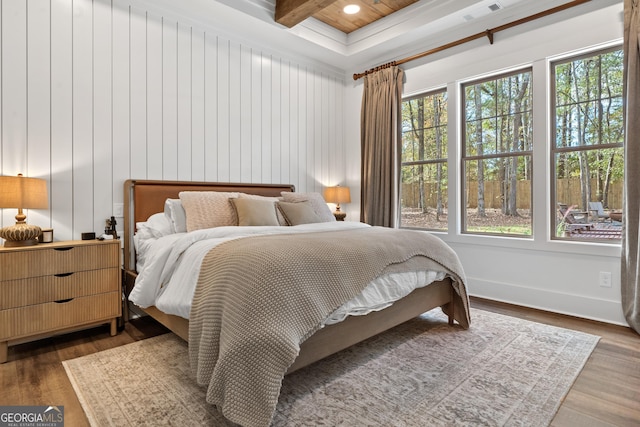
(169, 274)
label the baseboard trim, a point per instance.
(543, 299)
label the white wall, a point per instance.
(557, 276)
(95, 92)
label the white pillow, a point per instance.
(317, 202)
(148, 232)
(155, 227)
(208, 209)
(174, 212)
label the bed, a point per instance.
(144, 198)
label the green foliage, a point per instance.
(589, 101)
(424, 122)
(495, 111)
(516, 230)
(589, 123)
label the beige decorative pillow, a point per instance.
(317, 202)
(281, 219)
(297, 213)
(208, 209)
(255, 211)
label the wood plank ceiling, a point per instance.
(292, 12)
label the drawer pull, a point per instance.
(62, 301)
(68, 248)
(63, 274)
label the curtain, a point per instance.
(380, 146)
(630, 285)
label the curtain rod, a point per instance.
(488, 33)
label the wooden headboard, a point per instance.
(143, 198)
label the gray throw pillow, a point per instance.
(297, 213)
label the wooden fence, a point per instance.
(567, 191)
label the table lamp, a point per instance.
(337, 195)
(19, 192)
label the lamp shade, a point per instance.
(20, 192)
(337, 195)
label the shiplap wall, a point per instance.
(97, 91)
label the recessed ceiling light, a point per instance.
(350, 9)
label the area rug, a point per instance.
(503, 371)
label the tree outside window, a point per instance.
(424, 162)
(587, 150)
(497, 155)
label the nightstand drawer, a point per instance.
(57, 259)
(38, 290)
(34, 319)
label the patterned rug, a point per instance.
(503, 371)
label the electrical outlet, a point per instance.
(118, 210)
(605, 279)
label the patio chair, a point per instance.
(597, 212)
(574, 220)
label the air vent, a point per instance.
(495, 6)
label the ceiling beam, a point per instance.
(292, 12)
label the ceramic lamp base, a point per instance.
(340, 216)
(21, 234)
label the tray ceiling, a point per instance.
(385, 31)
(331, 12)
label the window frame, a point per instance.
(553, 149)
(445, 160)
(463, 151)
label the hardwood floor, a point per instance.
(34, 374)
(607, 392)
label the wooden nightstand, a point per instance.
(56, 287)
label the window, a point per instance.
(587, 146)
(424, 162)
(497, 155)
